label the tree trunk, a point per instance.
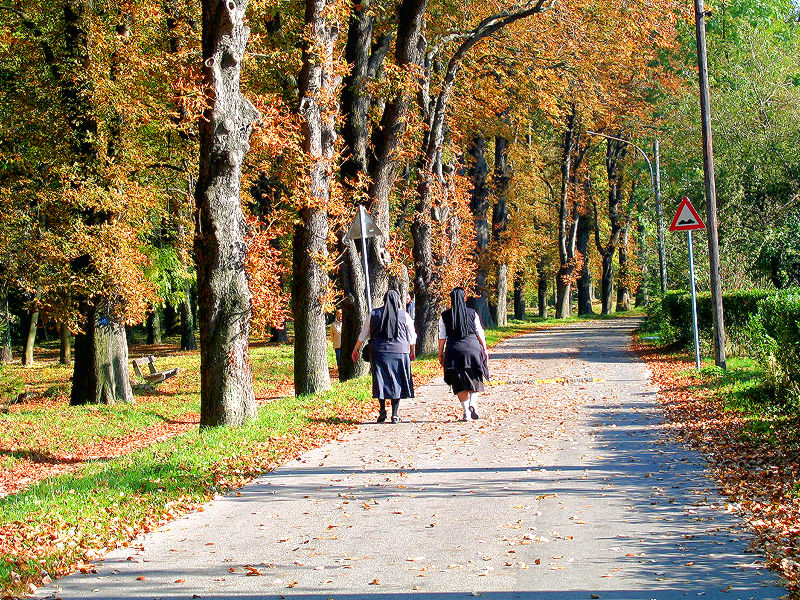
(318, 83)
(427, 305)
(388, 137)
(188, 340)
(100, 371)
(519, 296)
(615, 154)
(226, 380)
(500, 181)
(566, 240)
(641, 289)
(354, 310)
(607, 284)
(479, 205)
(501, 310)
(279, 335)
(365, 62)
(169, 319)
(65, 345)
(623, 292)
(585, 278)
(154, 327)
(30, 338)
(541, 288)
(5, 330)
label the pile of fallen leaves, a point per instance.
(760, 473)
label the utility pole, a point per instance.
(662, 252)
(711, 188)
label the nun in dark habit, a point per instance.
(390, 330)
(463, 353)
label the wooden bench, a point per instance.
(153, 377)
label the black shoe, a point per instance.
(473, 413)
(396, 419)
(381, 416)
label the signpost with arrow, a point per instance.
(687, 219)
(364, 227)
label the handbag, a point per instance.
(365, 352)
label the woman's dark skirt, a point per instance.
(391, 375)
(465, 366)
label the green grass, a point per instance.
(110, 500)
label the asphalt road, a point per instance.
(570, 490)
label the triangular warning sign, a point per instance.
(372, 229)
(687, 218)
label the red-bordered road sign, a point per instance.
(687, 218)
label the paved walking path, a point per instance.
(559, 491)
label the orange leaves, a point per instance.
(265, 273)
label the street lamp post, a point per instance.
(655, 187)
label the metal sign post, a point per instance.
(694, 304)
(364, 227)
(365, 263)
(687, 219)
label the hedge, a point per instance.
(774, 335)
(739, 308)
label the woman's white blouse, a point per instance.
(478, 329)
(412, 334)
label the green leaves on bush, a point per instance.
(675, 325)
(774, 341)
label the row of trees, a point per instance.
(147, 148)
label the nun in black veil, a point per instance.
(463, 353)
(390, 330)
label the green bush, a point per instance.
(738, 307)
(774, 341)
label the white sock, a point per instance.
(473, 400)
(465, 405)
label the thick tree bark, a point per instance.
(5, 330)
(188, 340)
(365, 61)
(154, 326)
(500, 181)
(566, 237)
(641, 289)
(519, 296)
(354, 310)
(279, 335)
(226, 380)
(615, 154)
(388, 137)
(30, 338)
(65, 345)
(426, 302)
(101, 357)
(584, 282)
(541, 288)
(623, 292)
(479, 204)
(318, 83)
(170, 319)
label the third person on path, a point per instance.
(463, 353)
